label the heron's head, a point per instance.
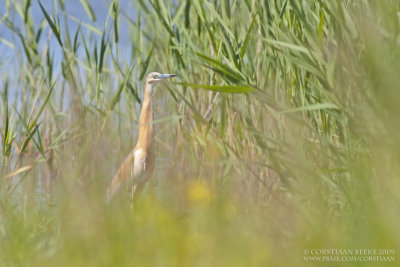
(155, 77)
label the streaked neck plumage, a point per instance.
(146, 127)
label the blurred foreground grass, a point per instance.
(282, 135)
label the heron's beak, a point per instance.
(166, 76)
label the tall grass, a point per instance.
(281, 135)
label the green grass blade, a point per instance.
(88, 9)
(158, 9)
(86, 25)
(53, 26)
(231, 89)
(26, 13)
(247, 39)
(117, 97)
(147, 61)
(6, 130)
(103, 47)
(45, 101)
(232, 74)
(318, 106)
(115, 15)
(28, 138)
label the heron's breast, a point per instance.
(142, 165)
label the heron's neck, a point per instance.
(146, 128)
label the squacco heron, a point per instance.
(138, 166)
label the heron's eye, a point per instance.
(154, 76)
